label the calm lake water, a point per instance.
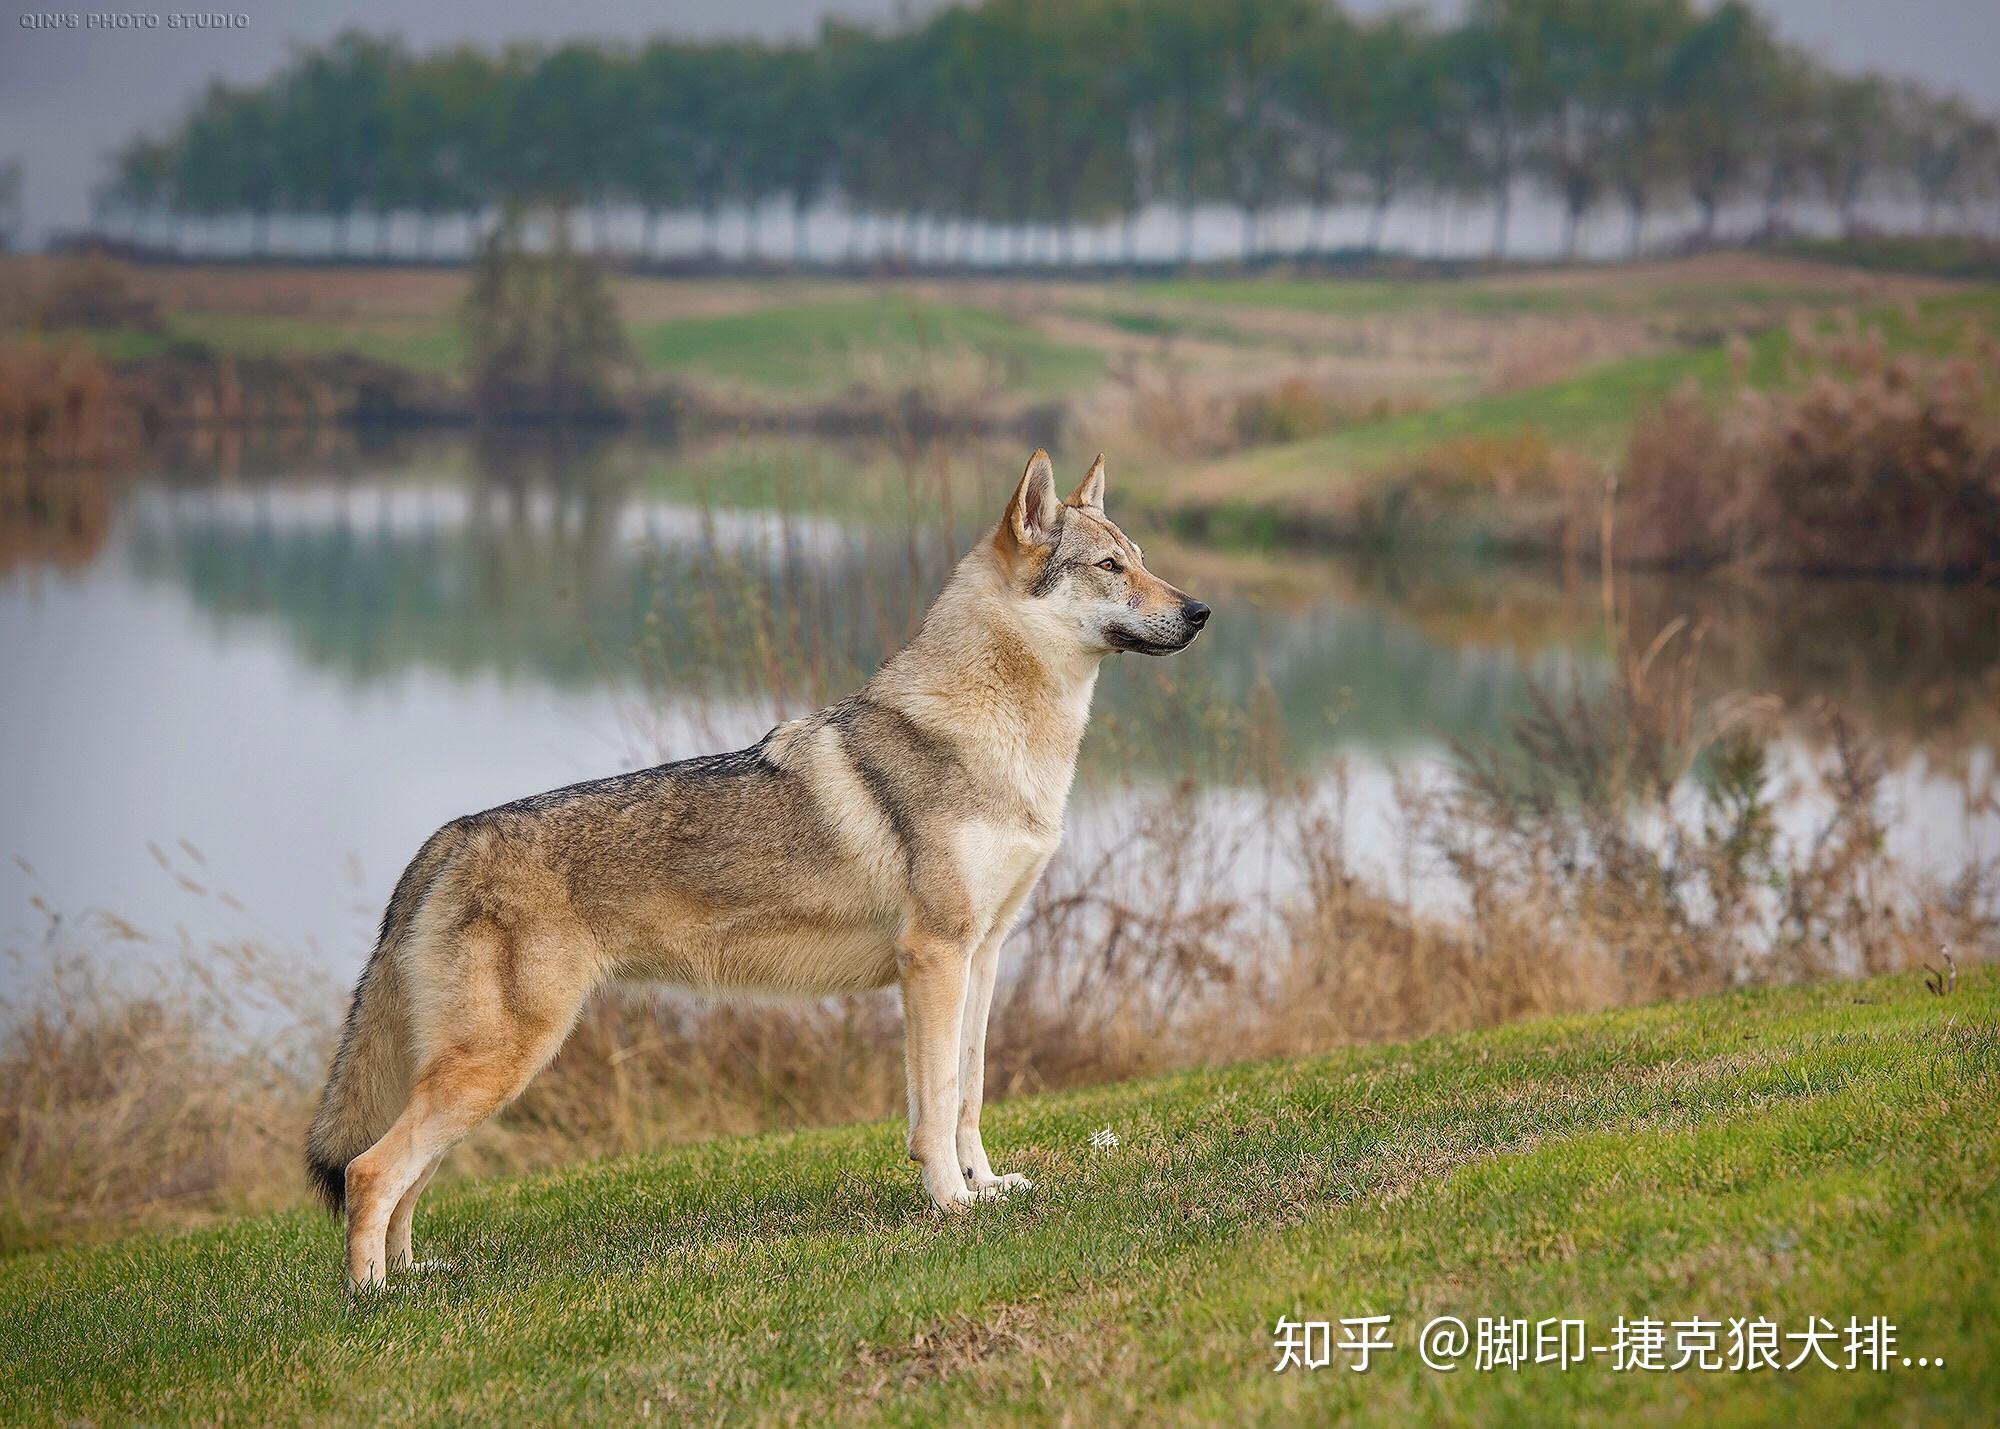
(238, 693)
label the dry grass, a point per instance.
(1162, 408)
(125, 1106)
(1537, 351)
(1723, 269)
(1173, 410)
(1681, 486)
(1298, 408)
(997, 1350)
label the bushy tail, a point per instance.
(370, 1080)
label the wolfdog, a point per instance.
(890, 838)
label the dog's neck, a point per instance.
(982, 662)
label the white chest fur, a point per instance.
(994, 861)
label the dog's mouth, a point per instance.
(1140, 645)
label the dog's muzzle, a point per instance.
(1151, 639)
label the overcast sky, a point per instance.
(69, 97)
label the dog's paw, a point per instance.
(997, 1186)
(409, 1272)
(953, 1203)
(974, 1189)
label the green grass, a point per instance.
(1592, 411)
(1829, 1151)
(430, 346)
(888, 341)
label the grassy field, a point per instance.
(883, 342)
(1829, 1151)
(1590, 411)
(423, 345)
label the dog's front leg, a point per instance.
(934, 972)
(972, 1159)
(972, 1062)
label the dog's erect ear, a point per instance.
(1033, 514)
(1090, 495)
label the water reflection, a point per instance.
(599, 578)
(300, 668)
(1915, 663)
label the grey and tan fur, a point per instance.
(890, 838)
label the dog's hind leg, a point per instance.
(503, 1007)
(397, 1254)
(455, 1091)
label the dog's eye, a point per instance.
(1110, 564)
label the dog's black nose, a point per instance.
(1196, 614)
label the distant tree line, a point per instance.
(1031, 118)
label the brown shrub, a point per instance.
(1895, 469)
(1875, 464)
(56, 406)
(1684, 494)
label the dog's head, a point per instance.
(1083, 579)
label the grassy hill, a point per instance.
(1590, 411)
(1829, 1151)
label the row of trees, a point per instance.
(1050, 114)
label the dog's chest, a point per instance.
(994, 858)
